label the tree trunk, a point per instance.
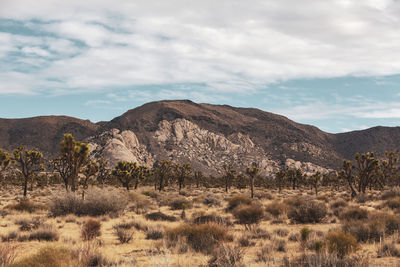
(252, 187)
(25, 186)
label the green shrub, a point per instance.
(305, 233)
(308, 212)
(91, 229)
(341, 243)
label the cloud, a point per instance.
(229, 46)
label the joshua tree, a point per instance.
(127, 173)
(388, 169)
(5, 162)
(89, 172)
(280, 179)
(229, 177)
(315, 181)
(74, 156)
(143, 174)
(28, 163)
(162, 173)
(252, 173)
(366, 166)
(182, 172)
(294, 176)
(104, 172)
(198, 177)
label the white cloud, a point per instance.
(231, 46)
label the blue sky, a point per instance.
(337, 67)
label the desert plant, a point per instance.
(26, 205)
(159, 216)
(91, 229)
(354, 213)
(237, 200)
(154, 234)
(305, 234)
(97, 202)
(252, 173)
(203, 237)
(227, 256)
(248, 214)
(341, 243)
(124, 232)
(44, 233)
(27, 223)
(388, 249)
(277, 208)
(308, 212)
(180, 202)
(7, 255)
(182, 172)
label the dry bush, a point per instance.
(28, 223)
(26, 206)
(375, 228)
(248, 214)
(154, 234)
(308, 212)
(159, 216)
(227, 256)
(394, 192)
(326, 259)
(152, 193)
(259, 233)
(97, 202)
(279, 245)
(245, 241)
(277, 208)
(91, 229)
(339, 204)
(7, 255)
(205, 218)
(49, 256)
(282, 232)
(362, 198)
(203, 237)
(212, 200)
(341, 243)
(388, 249)
(124, 232)
(44, 233)
(353, 213)
(393, 203)
(295, 201)
(88, 254)
(238, 200)
(266, 255)
(140, 203)
(180, 203)
(10, 236)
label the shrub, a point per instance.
(7, 255)
(248, 214)
(180, 203)
(388, 250)
(124, 232)
(27, 224)
(203, 237)
(45, 233)
(326, 259)
(26, 205)
(305, 234)
(354, 213)
(49, 256)
(393, 203)
(394, 192)
(200, 219)
(154, 234)
(282, 232)
(159, 216)
(341, 243)
(244, 241)
(259, 233)
(238, 200)
(11, 236)
(227, 256)
(97, 202)
(279, 245)
(308, 212)
(277, 208)
(140, 202)
(339, 204)
(91, 229)
(211, 200)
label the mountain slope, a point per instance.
(206, 135)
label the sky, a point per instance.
(334, 64)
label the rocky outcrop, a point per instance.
(115, 145)
(307, 168)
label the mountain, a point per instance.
(205, 135)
